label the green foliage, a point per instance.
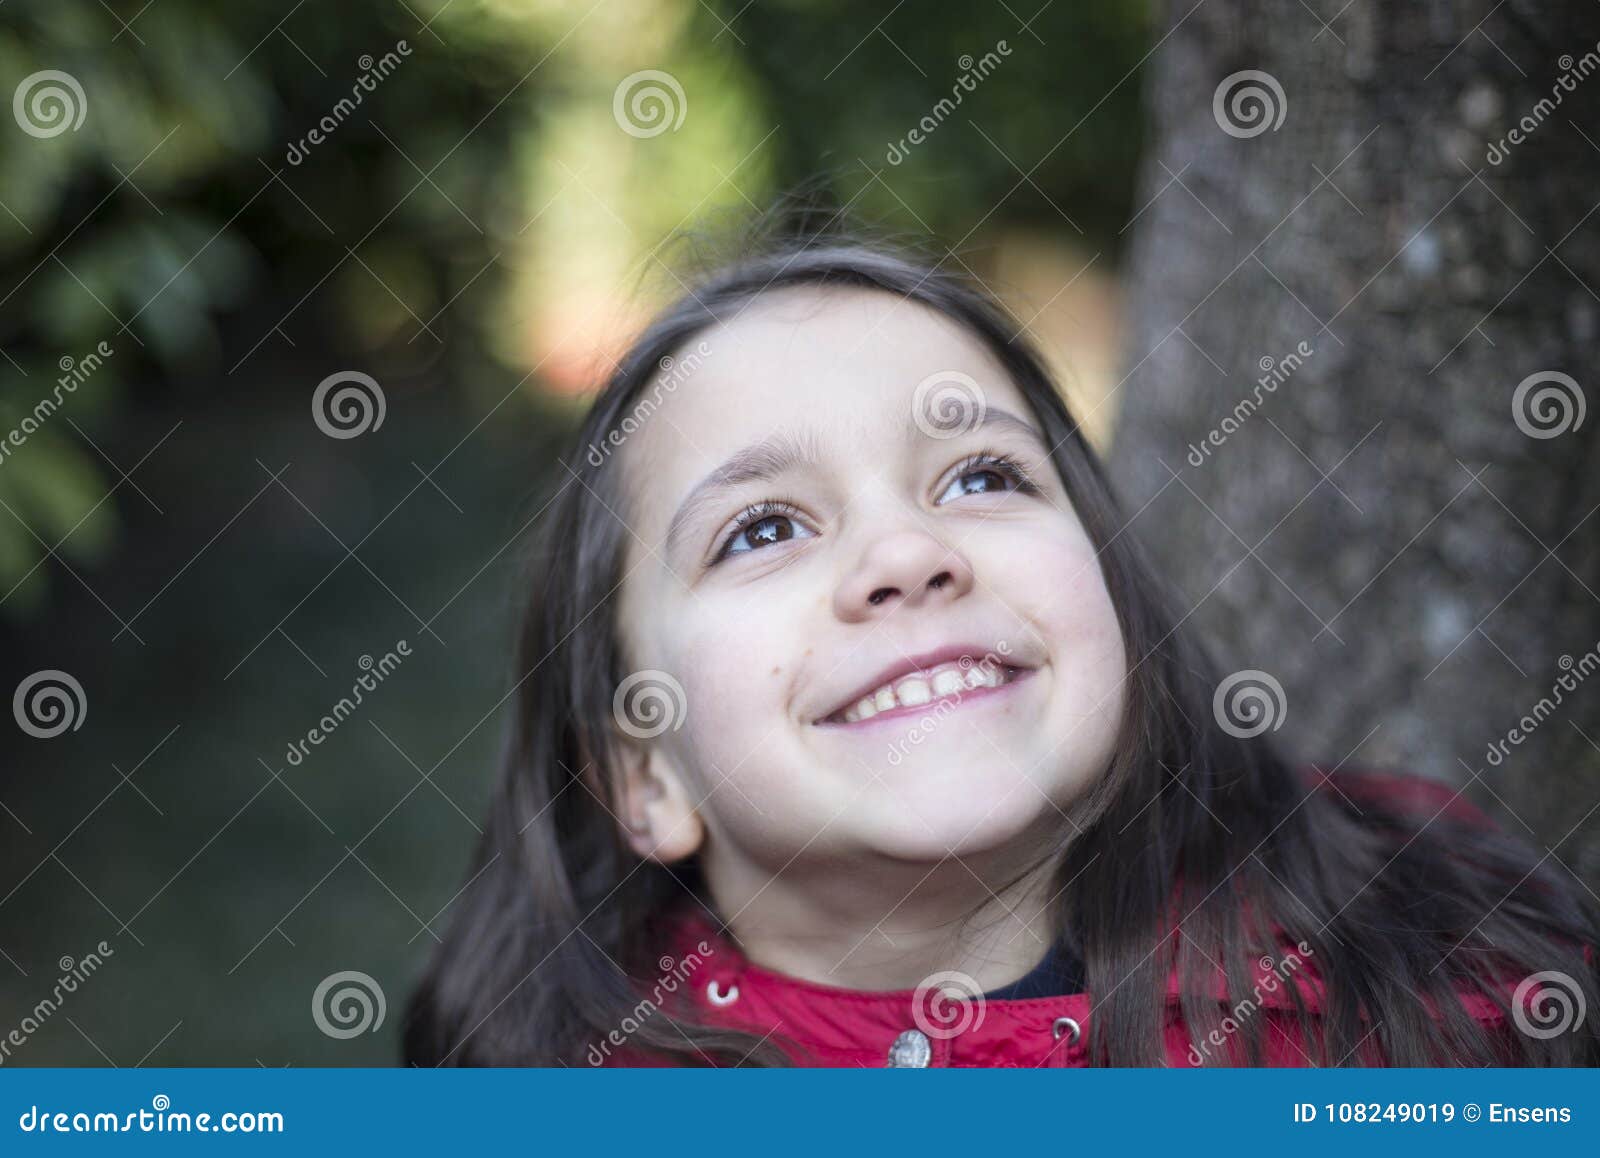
(171, 225)
(192, 222)
(1050, 127)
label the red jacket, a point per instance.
(823, 1025)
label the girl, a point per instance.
(851, 727)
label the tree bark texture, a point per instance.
(1386, 525)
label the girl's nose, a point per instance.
(908, 568)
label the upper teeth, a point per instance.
(947, 679)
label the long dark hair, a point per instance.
(1197, 844)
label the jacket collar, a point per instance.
(832, 1025)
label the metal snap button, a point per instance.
(1067, 1028)
(715, 994)
(911, 1050)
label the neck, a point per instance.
(887, 927)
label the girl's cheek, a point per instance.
(743, 737)
(1076, 612)
(1063, 576)
(736, 671)
(1085, 602)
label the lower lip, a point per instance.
(955, 700)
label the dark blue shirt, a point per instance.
(1060, 972)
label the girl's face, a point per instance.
(814, 533)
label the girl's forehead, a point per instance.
(838, 376)
(840, 369)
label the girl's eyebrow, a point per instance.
(780, 452)
(758, 462)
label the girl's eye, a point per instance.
(774, 521)
(762, 525)
(986, 473)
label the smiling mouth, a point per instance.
(951, 683)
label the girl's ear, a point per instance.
(658, 814)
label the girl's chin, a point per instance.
(956, 809)
(933, 837)
(958, 763)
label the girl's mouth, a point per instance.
(940, 687)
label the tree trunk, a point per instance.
(1384, 519)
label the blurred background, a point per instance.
(298, 304)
